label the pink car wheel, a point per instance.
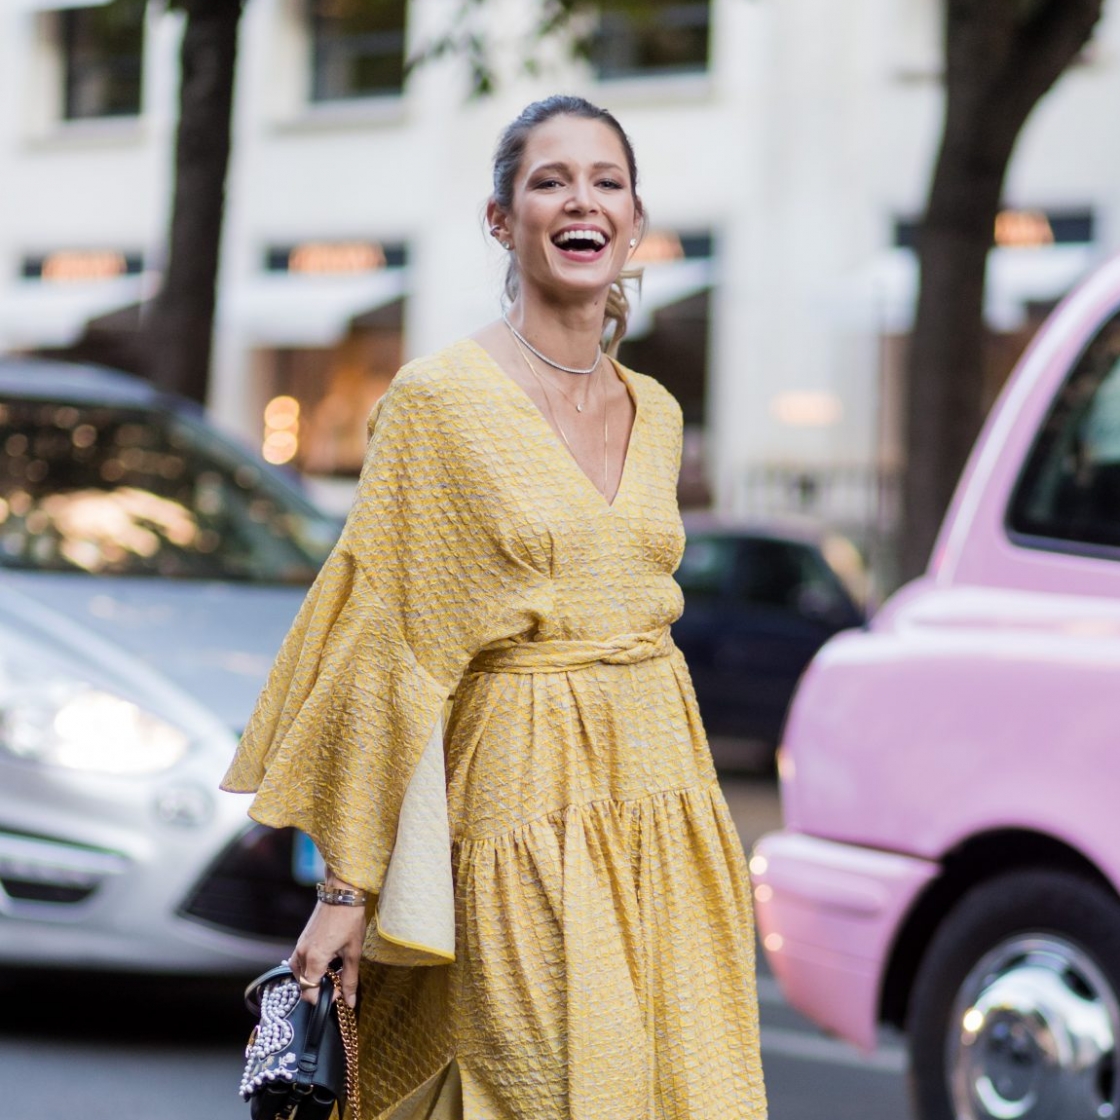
(1015, 1013)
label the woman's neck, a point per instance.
(568, 333)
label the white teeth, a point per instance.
(592, 235)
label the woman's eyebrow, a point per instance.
(556, 165)
(560, 165)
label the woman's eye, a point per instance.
(610, 184)
(545, 184)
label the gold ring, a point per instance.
(306, 984)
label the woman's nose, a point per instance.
(581, 198)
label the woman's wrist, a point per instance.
(334, 892)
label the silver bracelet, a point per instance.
(339, 896)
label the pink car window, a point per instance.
(1068, 497)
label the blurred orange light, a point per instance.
(282, 412)
(658, 246)
(787, 769)
(75, 265)
(807, 409)
(1023, 229)
(336, 256)
(280, 447)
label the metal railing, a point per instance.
(861, 501)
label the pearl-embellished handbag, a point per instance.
(301, 1058)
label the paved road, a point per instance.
(116, 1051)
(810, 1076)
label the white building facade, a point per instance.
(784, 149)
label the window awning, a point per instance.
(881, 295)
(666, 283)
(287, 310)
(34, 313)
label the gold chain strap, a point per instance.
(348, 1028)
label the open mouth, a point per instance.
(582, 244)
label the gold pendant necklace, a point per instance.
(571, 400)
(545, 385)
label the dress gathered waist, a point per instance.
(561, 656)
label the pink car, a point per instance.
(951, 775)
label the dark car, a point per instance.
(759, 602)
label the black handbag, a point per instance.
(301, 1059)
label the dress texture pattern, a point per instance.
(604, 945)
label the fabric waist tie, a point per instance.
(569, 656)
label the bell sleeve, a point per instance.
(346, 740)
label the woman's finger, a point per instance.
(350, 975)
(312, 964)
(298, 964)
(314, 971)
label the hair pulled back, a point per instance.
(507, 162)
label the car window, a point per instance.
(706, 567)
(789, 575)
(128, 491)
(1070, 487)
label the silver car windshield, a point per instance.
(118, 490)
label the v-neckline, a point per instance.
(523, 397)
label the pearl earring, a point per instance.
(633, 242)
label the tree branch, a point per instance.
(1047, 43)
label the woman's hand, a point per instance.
(331, 931)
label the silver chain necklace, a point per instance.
(545, 358)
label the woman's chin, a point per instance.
(579, 284)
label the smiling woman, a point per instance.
(584, 943)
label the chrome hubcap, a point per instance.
(1033, 1036)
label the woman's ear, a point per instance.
(496, 221)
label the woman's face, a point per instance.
(573, 209)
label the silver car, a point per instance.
(149, 569)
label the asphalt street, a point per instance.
(810, 1076)
(134, 1049)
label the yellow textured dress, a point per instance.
(604, 954)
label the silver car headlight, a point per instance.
(49, 716)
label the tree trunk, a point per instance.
(1001, 57)
(179, 326)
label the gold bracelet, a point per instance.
(339, 896)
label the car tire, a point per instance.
(1024, 968)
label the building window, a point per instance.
(653, 38)
(102, 55)
(358, 48)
